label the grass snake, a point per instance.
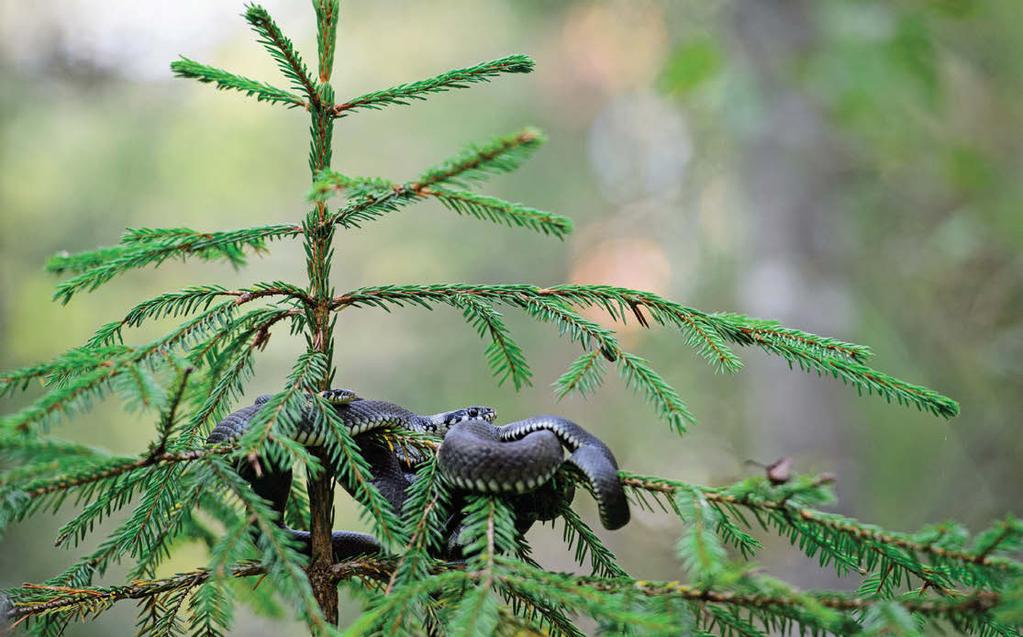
(517, 461)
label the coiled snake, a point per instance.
(517, 460)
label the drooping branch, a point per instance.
(706, 332)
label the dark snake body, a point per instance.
(523, 455)
(518, 459)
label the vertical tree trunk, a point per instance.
(319, 238)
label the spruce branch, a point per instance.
(81, 391)
(851, 545)
(641, 377)
(374, 198)
(504, 356)
(479, 162)
(577, 533)
(768, 334)
(64, 262)
(501, 212)
(474, 163)
(584, 375)
(706, 332)
(34, 600)
(497, 210)
(87, 601)
(559, 589)
(60, 369)
(163, 492)
(282, 51)
(980, 603)
(143, 247)
(198, 298)
(365, 208)
(636, 371)
(463, 202)
(119, 466)
(321, 134)
(701, 552)
(197, 240)
(225, 80)
(368, 623)
(489, 529)
(769, 603)
(423, 519)
(403, 94)
(547, 616)
(226, 387)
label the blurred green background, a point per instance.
(849, 167)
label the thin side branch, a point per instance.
(225, 80)
(403, 94)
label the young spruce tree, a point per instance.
(181, 489)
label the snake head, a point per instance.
(480, 412)
(440, 423)
(339, 396)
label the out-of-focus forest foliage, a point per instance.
(849, 167)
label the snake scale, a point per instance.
(516, 461)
